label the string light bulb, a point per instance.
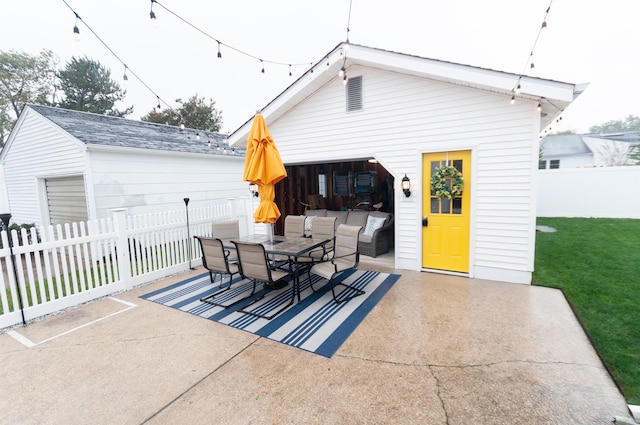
(539, 106)
(76, 30)
(219, 53)
(198, 136)
(125, 77)
(513, 99)
(262, 64)
(152, 14)
(290, 74)
(518, 89)
(344, 79)
(158, 107)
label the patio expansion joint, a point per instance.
(201, 380)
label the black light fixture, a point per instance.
(5, 221)
(253, 188)
(186, 207)
(406, 185)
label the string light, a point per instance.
(152, 14)
(219, 53)
(290, 74)
(76, 30)
(158, 107)
(226, 45)
(529, 63)
(540, 105)
(125, 77)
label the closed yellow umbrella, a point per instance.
(263, 166)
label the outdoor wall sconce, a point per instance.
(406, 185)
(253, 188)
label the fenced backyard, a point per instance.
(52, 268)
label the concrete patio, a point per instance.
(436, 349)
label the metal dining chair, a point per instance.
(345, 257)
(293, 228)
(216, 260)
(227, 229)
(254, 265)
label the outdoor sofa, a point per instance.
(376, 235)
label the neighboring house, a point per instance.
(66, 166)
(587, 150)
(411, 114)
(565, 151)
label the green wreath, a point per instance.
(447, 182)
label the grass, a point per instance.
(596, 263)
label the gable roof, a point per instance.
(554, 96)
(103, 130)
(564, 145)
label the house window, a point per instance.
(322, 185)
(542, 164)
(554, 163)
(354, 93)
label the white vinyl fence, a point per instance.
(62, 266)
(603, 192)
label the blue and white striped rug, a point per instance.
(317, 324)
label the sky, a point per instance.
(584, 42)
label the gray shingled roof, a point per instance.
(570, 144)
(95, 129)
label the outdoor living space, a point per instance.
(436, 349)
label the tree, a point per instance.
(631, 123)
(24, 79)
(194, 113)
(88, 87)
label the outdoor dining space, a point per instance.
(272, 262)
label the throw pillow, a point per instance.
(308, 224)
(373, 223)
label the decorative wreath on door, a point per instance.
(447, 182)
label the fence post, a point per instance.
(123, 256)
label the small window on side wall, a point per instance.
(554, 164)
(542, 164)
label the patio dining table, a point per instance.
(292, 248)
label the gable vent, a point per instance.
(354, 93)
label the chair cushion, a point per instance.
(373, 223)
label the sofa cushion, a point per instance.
(341, 216)
(358, 218)
(318, 213)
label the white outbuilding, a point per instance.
(62, 166)
(412, 115)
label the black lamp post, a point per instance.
(186, 206)
(5, 220)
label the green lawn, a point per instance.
(596, 263)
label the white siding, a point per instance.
(38, 150)
(406, 116)
(154, 181)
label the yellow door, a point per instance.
(445, 222)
